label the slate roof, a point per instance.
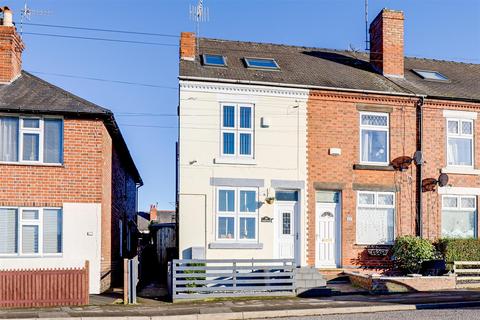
(336, 69)
(30, 94)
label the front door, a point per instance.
(328, 235)
(286, 229)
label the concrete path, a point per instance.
(257, 308)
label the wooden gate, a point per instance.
(468, 273)
(44, 287)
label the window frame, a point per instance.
(249, 66)
(38, 131)
(205, 63)
(375, 128)
(236, 214)
(237, 130)
(375, 205)
(419, 72)
(459, 208)
(30, 222)
(460, 135)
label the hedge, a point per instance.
(459, 249)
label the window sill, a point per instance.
(241, 161)
(458, 170)
(373, 167)
(235, 245)
(32, 164)
(28, 256)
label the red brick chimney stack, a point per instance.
(386, 43)
(153, 212)
(11, 48)
(187, 46)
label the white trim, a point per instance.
(233, 160)
(458, 191)
(33, 222)
(189, 79)
(242, 89)
(460, 170)
(376, 128)
(236, 214)
(237, 130)
(460, 114)
(460, 135)
(337, 207)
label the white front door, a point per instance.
(328, 235)
(286, 230)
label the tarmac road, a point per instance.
(438, 314)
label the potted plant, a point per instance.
(270, 200)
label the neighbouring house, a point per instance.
(68, 184)
(323, 156)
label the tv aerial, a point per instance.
(27, 13)
(199, 14)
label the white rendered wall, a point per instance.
(279, 154)
(81, 241)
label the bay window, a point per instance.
(374, 138)
(237, 130)
(459, 216)
(237, 214)
(30, 231)
(460, 142)
(375, 217)
(31, 140)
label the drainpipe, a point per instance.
(419, 164)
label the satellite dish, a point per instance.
(430, 184)
(443, 179)
(402, 163)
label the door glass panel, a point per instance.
(328, 196)
(286, 223)
(286, 195)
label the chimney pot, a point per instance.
(7, 17)
(187, 46)
(387, 43)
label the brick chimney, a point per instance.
(386, 43)
(187, 46)
(11, 47)
(153, 212)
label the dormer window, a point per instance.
(430, 75)
(214, 60)
(261, 63)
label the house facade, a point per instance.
(377, 136)
(68, 185)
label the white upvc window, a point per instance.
(31, 231)
(374, 138)
(31, 140)
(460, 143)
(237, 214)
(459, 216)
(375, 217)
(237, 129)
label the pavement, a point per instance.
(149, 309)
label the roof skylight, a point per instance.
(430, 75)
(214, 60)
(262, 63)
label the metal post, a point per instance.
(419, 219)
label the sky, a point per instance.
(439, 29)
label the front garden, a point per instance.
(422, 265)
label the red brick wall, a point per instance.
(78, 180)
(386, 42)
(333, 122)
(92, 172)
(435, 141)
(187, 45)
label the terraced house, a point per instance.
(324, 156)
(68, 185)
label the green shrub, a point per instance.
(193, 279)
(409, 252)
(459, 249)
